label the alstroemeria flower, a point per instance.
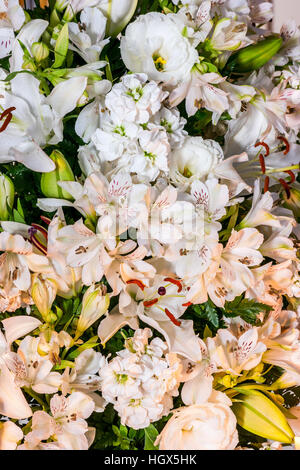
(12, 18)
(12, 401)
(233, 355)
(33, 370)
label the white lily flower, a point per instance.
(36, 120)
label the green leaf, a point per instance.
(61, 47)
(209, 312)
(18, 217)
(247, 309)
(151, 434)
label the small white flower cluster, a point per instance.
(140, 381)
(136, 131)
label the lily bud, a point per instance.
(40, 51)
(7, 195)
(118, 14)
(43, 293)
(258, 414)
(60, 5)
(95, 303)
(253, 57)
(292, 202)
(62, 172)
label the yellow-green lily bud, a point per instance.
(95, 303)
(62, 172)
(258, 414)
(118, 14)
(60, 5)
(43, 293)
(253, 57)
(7, 195)
(39, 51)
(293, 201)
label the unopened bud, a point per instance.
(7, 195)
(62, 172)
(39, 51)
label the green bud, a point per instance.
(39, 51)
(51, 318)
(62, 172)
(7, 195)
(293, 201)
(258, 414)
(253, 57)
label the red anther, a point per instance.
(172, 318)
(286, 187)
(139, 283)
(291, 174)
(187, 304)
(267, 182)
(262, 163)
(45, 219)
(287, 144)
(40, 229)
(8, 117)
(6, 122)
(6, 112)
(174, 281)
(149, 303)
(38, 245)
(263, 144)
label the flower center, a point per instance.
(159, 62)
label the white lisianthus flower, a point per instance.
(195, 160)
(206, 426)
(156, 45)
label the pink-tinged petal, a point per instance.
(113, 323)
(166, 198)
(16, 327)
(10, 435)
(120, 185)
(12, 400)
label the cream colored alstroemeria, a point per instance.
(43, 293)
(10, 435)
(200, 91)
(88, 249)
(84, 377)
(235, 276)
(65, 428)
(12, 18)
(233, 355)
(32, 370)
(12, 401)
(229, 35)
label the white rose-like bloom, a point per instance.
(209, 426)
(154, 44)
(134, 100)
(195, 160)
(141, 380)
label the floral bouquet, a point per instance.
(149, 198)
